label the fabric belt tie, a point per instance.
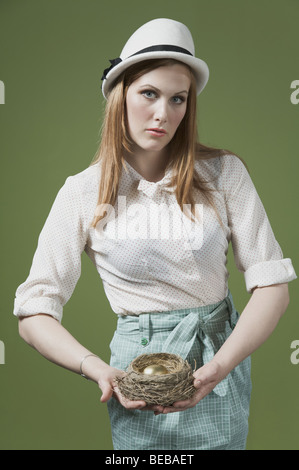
(212, 330)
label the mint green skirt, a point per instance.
(220, 420)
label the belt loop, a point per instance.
(229, 307)
(144, 330)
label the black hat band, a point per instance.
(161, 47)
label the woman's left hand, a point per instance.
(205, 379)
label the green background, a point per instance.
(52, 54)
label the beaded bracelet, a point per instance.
(83, 359)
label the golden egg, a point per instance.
(155, 369)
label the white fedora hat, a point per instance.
(158, 39)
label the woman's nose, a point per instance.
(161, 111)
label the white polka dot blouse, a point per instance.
(150, 256)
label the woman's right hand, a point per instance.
(108, 385)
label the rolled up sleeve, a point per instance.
(257, 253)
(56, 265)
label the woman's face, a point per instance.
(156, 104)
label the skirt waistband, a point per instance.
(168, 319)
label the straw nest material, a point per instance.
(175, 385)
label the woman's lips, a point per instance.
(156, 132)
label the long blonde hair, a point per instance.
(184, 148)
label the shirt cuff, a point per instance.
(270, 272)
(34, 306)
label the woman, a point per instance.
(155, 212)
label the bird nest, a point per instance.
(174, 385)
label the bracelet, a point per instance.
(81, 372)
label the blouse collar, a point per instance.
(150, 188)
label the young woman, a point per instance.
(155, 212)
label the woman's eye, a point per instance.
(149, 94)
(178, 99)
